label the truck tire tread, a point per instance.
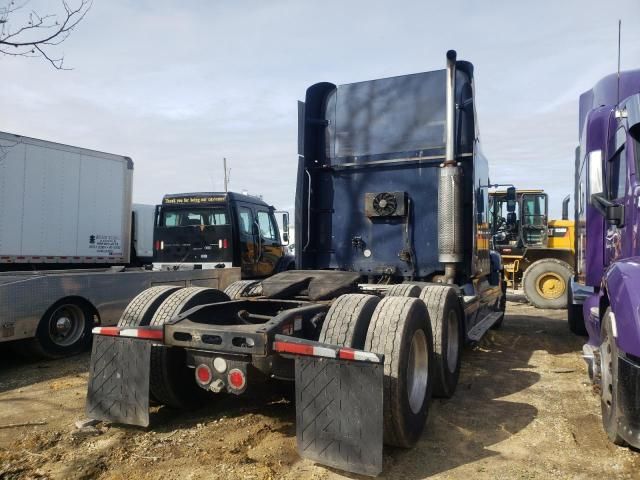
(184, 299)
(244, 288)
(439, 299)
(348, 319)
(142, 308)
(393, 320)
(403, 290)
(171, 382)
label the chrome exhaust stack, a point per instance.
(450, 250)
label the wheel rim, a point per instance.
(417, 371)
(550, 285)
(606, 372)
(66, 325)
(453, 338)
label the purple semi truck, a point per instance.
(604, 298)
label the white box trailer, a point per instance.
(62, 204)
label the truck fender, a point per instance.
(286, 262)
(620, 284)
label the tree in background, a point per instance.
(25, 32)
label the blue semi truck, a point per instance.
(603, 300)
(395, 274)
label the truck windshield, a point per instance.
(186, 217)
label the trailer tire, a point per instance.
(447, 330)
(400, 329)
(171, 382)
(76, 317)
(545, 282)
(140, 310)
(348, 319)
(403, 290)
(244, 288)
(575, 316)
(609, 381)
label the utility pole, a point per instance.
(226, 174)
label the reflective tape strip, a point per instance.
(112, 331)
(146, 333)
(350, 354)
(324, 352)
(304, 349)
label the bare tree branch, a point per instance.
(37, 33)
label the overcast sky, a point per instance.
(178, 85)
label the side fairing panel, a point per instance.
(621, 282)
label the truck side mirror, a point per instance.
(612, 212)
(511, 199)
(285, 226)
(615, 215)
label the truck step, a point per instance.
(481, 327)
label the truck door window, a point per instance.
(618, 175)
(246, 220)
(267, 228)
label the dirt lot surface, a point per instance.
(523, 410)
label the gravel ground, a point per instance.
(523, 409)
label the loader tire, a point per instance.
(400, 329)
(141, 309)
(403, 290)
(545, 283)
(348, 319)
(447, 330)
(575, 316)
(171, 382)
(244, 288)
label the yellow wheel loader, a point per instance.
(537, 253)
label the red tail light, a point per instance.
(225, 243)
(236, 379)
(203, 374)
(157, 244)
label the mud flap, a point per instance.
(119, 380)
(339, 413)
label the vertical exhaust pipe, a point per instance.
(565, 207)
(450, 250)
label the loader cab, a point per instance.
(519, 219)
(219, 230)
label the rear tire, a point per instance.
(400, 329)
(403, 290)
(348, 319)
(171, 382)
(575, 316)
(609, 381)
(244, 288)
(447, 331)
(141, 309)
(545, 283)
(64, 330)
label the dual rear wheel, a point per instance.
(419, 331)
(171, 382)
